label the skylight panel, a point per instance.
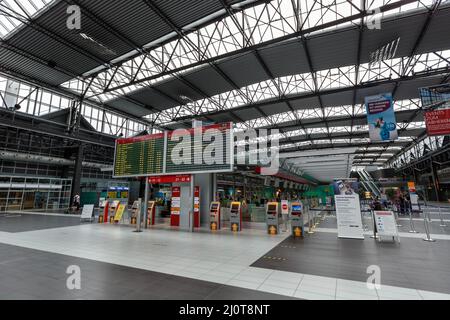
(13, 12)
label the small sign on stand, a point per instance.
(87, 213)
(386, 226)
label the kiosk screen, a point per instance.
(234, 207)
(297, 208)
(272, 208)
(214, 207)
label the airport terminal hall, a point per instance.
(226, 157)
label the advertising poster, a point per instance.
(437, 122)
(345, 186)
(348, 211)
(411, 186)
(413, 196)
(381, 118)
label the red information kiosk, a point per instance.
(180, 185)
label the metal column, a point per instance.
(146, 201)
(435, 182)
(76, 181)
(214, 186)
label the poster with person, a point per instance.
(381, 117)
(345, 186)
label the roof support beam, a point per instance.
(441, 71)
(253, 47)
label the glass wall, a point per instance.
(36, 194)
(38, 101)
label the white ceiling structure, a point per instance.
(301, 67)
(324, 165)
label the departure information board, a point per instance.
(139, 156)
(203, 149)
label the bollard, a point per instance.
(411, 223)
(427, 230)
(440, 217)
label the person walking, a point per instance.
(76, 202)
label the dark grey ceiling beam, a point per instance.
(442, 71)
(257, 46)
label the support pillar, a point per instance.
(147, 187)
(435, 180)
(76, 180)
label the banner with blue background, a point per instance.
(381, 117)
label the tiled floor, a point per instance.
(20, 222)
(411, 264)
(223, 259)
(32, 274)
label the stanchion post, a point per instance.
(310, 229)
(374, 236)
(440, 218)
(412, 229)
(427, 230)
(396, 217)
(139, 216)
(315, 219)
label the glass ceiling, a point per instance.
(13, 11)
(303, 83)
(254, 25)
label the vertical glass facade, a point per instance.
(34, 194)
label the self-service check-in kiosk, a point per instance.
(151, 208)
(272, 217)
(134, 212)
(214, 215)
(297, 219)
(235, 216)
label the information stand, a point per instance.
(348, 214)
(87, 212)
(151, 208)
(386, 226)
(197, 207)
(272, 218)
(214, 215)
(134, 212)
(113, 206)
(175, 208)
(297, 219)
(285, 208)
(235, 216)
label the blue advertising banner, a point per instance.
(381, 117)
(345, 186)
